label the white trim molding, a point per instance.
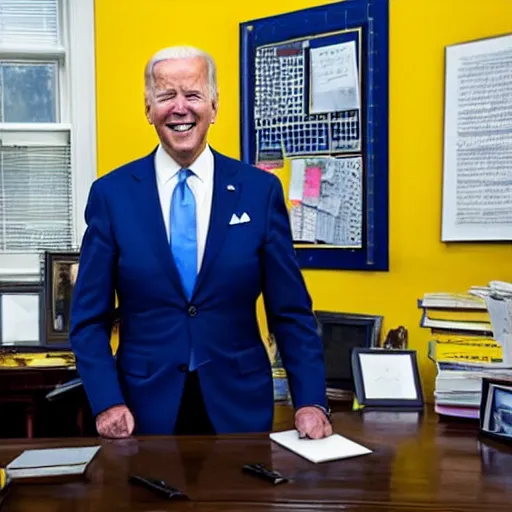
(82, 74)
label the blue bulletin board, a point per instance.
(314, 101)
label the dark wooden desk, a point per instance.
(417, 465)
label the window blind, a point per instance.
(35, 199)
(29, 23)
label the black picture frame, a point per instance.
(60, 269)
(367, 329)
(489, 387)
(381, 371)
(23, 288)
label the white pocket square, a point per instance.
(239, 220)
(245, 218)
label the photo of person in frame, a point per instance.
(501, 419)
(64, 278)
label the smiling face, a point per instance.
(180, 106)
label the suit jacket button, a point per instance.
(192, 311)
(182, 368)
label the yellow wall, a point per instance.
(128, 32)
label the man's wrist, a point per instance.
(325, 410)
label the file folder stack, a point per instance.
(471, 338)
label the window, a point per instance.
(47, 129)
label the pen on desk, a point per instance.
(261, 471)
(158, 486)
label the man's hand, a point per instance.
(312, 422)
(116, 422)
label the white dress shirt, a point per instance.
(201, 184)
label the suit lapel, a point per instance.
(148, 202)
(226, 192)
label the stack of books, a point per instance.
(470, 339)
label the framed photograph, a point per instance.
(60, 273)
(21, 315)
(340, 333)
(496, 409)
(387, 378)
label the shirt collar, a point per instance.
(167, 168)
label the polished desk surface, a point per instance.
(418, 464)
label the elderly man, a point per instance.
(189, 239)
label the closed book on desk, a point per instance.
(51, 463)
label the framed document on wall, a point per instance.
(477, 176)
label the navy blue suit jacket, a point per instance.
(125, 251)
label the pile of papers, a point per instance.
(471, 339)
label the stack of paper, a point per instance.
(51, 462)
(471, 339)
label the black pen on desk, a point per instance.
(158, 486)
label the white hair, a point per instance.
(180, 52)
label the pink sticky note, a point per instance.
(270, 166)
(312, 179)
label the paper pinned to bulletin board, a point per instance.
(326, 200)
(270, 166)
(334, 78)
(307, 110)
(307, 99)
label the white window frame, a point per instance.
(78, 110)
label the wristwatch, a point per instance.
(327, 412)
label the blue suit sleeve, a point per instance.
(92, 308)
(289, 308)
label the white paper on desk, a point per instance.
(20, 318)
(329, 448)
(334, 79)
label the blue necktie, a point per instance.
(184, 237)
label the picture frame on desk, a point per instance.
(340, 332)
(387, 379)
(22, 315)
(496, 410)
(60, 273)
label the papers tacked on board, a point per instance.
(326, 196)
(334, 80)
